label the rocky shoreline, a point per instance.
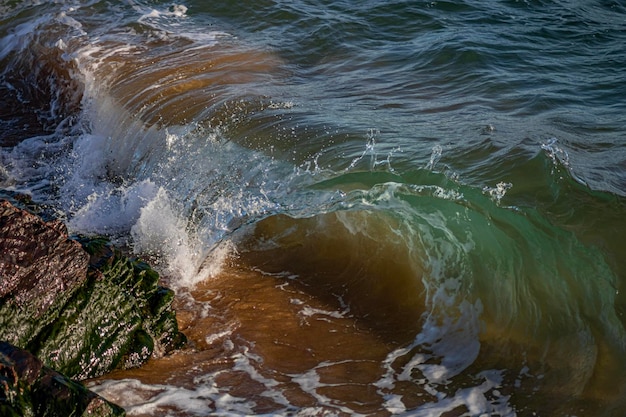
(71, 308)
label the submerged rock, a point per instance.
(80, 306)
(28, 388)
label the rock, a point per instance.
(79, 305)
(28, 388)
(40, 270)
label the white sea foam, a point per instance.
(320, 314)
(560, 156)
(69, 21)
(481, 400)
(449, 340)
(209, 397)
(556, 152)
(171, 22)
(176, 10)
(138, 398)
(21, 36)
(213, 338)
(498, 192)
(112, 210)
(161, 230)
(439, 353)
(310, 382)
(125, 178)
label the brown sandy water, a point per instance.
(305, 326)
(287, 332)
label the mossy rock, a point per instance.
(109, 313)
(28, 388)
(118, 319)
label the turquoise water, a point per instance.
(450, 177)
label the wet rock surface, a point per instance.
(78, 305)
(28, 388)
(40, 270)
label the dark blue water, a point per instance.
(421, 72)
(426, 200)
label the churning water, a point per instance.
(365, 208)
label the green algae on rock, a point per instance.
(28, 388)
(82, 307)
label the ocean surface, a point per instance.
(377, 208)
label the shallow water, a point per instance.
(382, 208)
